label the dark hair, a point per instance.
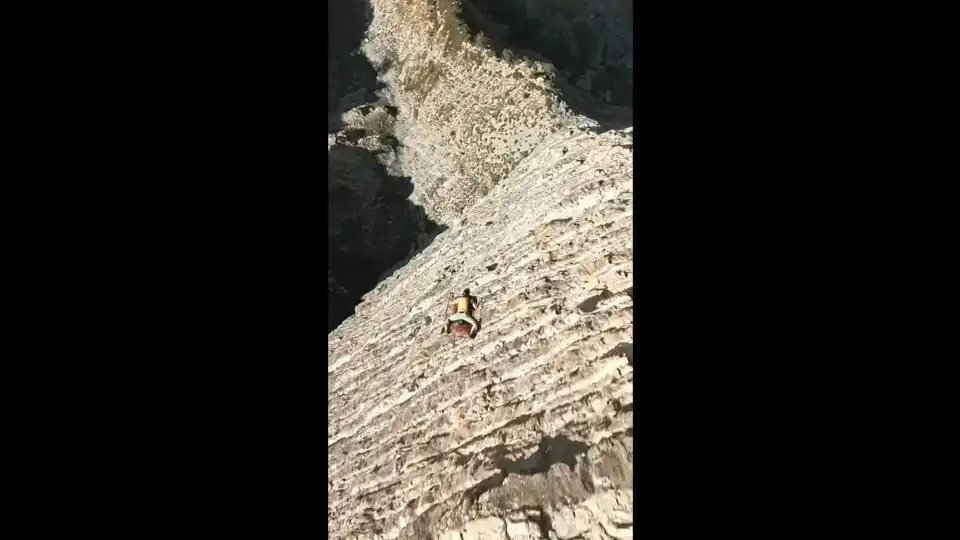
(466, 291)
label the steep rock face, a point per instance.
(527, 430)
(466, 117)
(590, 43)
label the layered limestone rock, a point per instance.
(527, 430)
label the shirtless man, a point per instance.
(466, 306)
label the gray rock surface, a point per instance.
(527, 430)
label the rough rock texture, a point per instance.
(591, 43)
(527, 430)
(467, 116)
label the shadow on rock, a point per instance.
(551, 450)
(373, 228)
(351, 80)
(589, 43)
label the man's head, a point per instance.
(466, 292)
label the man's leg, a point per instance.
(465, 318)
(452, 319)
(473, 325)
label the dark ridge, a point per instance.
(348, 71)
(372, 227)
